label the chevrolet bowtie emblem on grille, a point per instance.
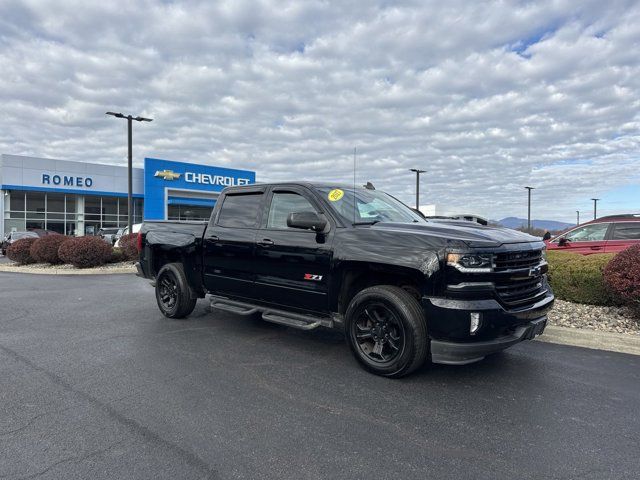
(167, 174)
(534, 272)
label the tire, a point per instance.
(173, 294)
(386, 331)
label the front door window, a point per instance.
(284, 203)
(595, 232)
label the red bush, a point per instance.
(45, 249)
(129, 245)
(19, 251)
(622, 276)
(85, 252)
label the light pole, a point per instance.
(418, 172)
(595, 207)
(577, 218)
(130, 118)
(529, 209)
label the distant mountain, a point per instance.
(551, 225)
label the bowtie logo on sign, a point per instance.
(167, 174)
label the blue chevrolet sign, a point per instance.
(166, 182)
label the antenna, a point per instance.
(354, 184)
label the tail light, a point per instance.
(139, 241)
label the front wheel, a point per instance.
(386, 331)
(173, 294)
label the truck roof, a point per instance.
(302, 183)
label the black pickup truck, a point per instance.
(403, 289)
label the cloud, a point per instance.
(487, 97)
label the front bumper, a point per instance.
(448, 323)
(453, 353)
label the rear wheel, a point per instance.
(386, 331)
(173, 294)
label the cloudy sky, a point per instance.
(487, 97)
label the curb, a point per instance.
(612, 342)
(64, 271)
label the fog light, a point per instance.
(474, 325)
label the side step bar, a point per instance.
(231, 306)
(281, 317)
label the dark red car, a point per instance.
(610, 234)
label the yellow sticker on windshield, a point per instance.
(335, 195)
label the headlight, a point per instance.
(471, 262)
(544, 254)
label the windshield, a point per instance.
(371, 206)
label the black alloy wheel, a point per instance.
(168, 291)
(386, 331)
(379, 333)
(173, 294)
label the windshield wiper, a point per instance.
(371, 222)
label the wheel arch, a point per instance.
(161, 255)
(356, 276)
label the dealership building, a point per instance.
(79, 198)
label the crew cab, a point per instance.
(610, 234)
(403, 289)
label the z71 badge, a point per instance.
(311, 276)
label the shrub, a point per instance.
(579, 278)
(117, 255)
(129, 245)
(622, 276)
(20, 251)
(85, 252)
(45, 249)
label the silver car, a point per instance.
(15, 236)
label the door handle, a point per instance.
(596, 248)
(214, 238)
(265, 242)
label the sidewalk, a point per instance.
(613, 342)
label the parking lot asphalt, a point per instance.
(95, 383)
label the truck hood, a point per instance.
(473, 234)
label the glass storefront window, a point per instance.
(123, 206)
(92, 205)
(36, 202)
(109, 206)
(71, 203)
(55, 226)
(57, 212)
(70, 228)
(16, 201)
(189, 212)
(35, 224)
(55, 203)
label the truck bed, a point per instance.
(167, 239)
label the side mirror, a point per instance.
(563, 242)
(306, 221)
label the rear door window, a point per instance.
(626, 231)
(240, 210)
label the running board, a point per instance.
(281, 317)
(304, 323)
(233, 307)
